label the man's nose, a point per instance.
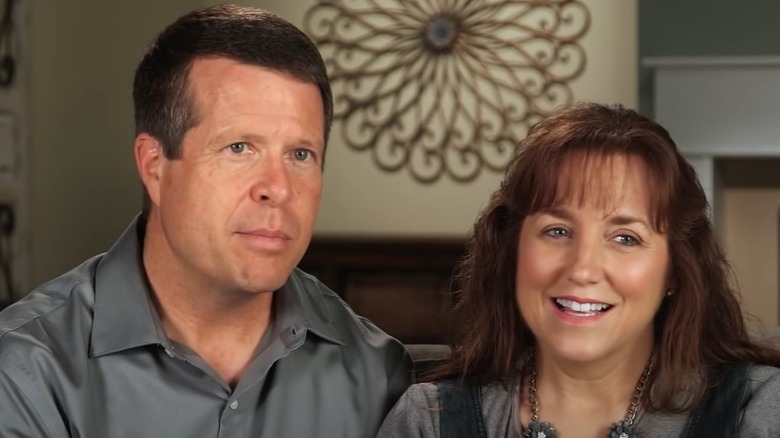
(272, 184)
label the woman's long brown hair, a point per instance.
(698, 328)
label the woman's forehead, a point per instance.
(605, 182)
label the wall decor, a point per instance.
(446, 87)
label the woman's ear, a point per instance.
(671, 282)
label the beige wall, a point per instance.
(360, 199)
(83, 186)
(748, 225)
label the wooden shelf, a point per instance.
(401, 284)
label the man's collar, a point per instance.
(125, 316)
(301, 304)
(124, 313)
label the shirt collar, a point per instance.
(300, 304)
(125, 316)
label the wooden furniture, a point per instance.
(401, 284)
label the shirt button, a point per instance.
(234, 405)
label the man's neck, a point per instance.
(224, 327)
(224, 331)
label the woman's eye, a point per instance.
(627, 240)
(238, 148)
(302, 154)
(557, 232)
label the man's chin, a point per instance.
(263, 285)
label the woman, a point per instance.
(595, 301)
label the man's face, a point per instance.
(236, 211)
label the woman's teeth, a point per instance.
(574, 306)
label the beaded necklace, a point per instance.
(621, 429)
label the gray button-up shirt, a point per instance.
(86, 356)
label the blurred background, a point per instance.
(708, 70)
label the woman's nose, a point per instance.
(586, 262)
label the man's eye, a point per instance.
(302, 154)
(238, 148)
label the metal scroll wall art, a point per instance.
(447, 87)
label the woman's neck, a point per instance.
(583, 399)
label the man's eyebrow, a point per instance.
(261, 139)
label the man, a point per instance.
(196, 322)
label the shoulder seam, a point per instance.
(41, 315)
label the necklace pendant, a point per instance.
(622, 429)
(540, 429)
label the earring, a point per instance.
(669, 293)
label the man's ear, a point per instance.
(150, 160)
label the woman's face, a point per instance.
(592, 271)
